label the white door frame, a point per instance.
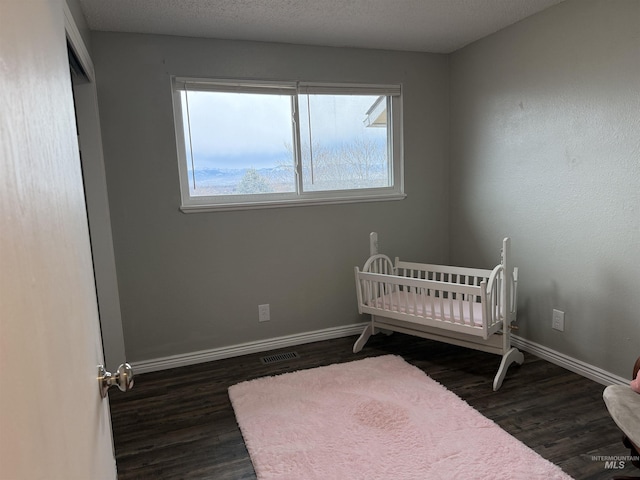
(95, 183)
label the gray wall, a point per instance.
(545, 147)
(193, 282)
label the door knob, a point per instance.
(123, 378)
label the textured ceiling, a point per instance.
(439, 26)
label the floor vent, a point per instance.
(279, 357)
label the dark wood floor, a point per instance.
(179, 423)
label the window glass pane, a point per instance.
(344, 142)
(238, 143)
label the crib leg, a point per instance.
(362, 339)
(513, 355)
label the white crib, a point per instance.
(469, 307)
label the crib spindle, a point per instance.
(385, 298)
(406, 299)
(451, 301)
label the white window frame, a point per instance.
(191, 204)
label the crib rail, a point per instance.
(445, 273)
(442, 273)
(436, 302)
(464, 276)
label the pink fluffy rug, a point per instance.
(377, 418)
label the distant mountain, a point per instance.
(225, 181)
(217, 176)
(231, 176)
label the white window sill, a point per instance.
(298, 202)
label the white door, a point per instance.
(53, 423)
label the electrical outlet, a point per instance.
(264, 315)
(558, 320)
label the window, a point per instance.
(261, 144)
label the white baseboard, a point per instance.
(202, 356)
(577, 366)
